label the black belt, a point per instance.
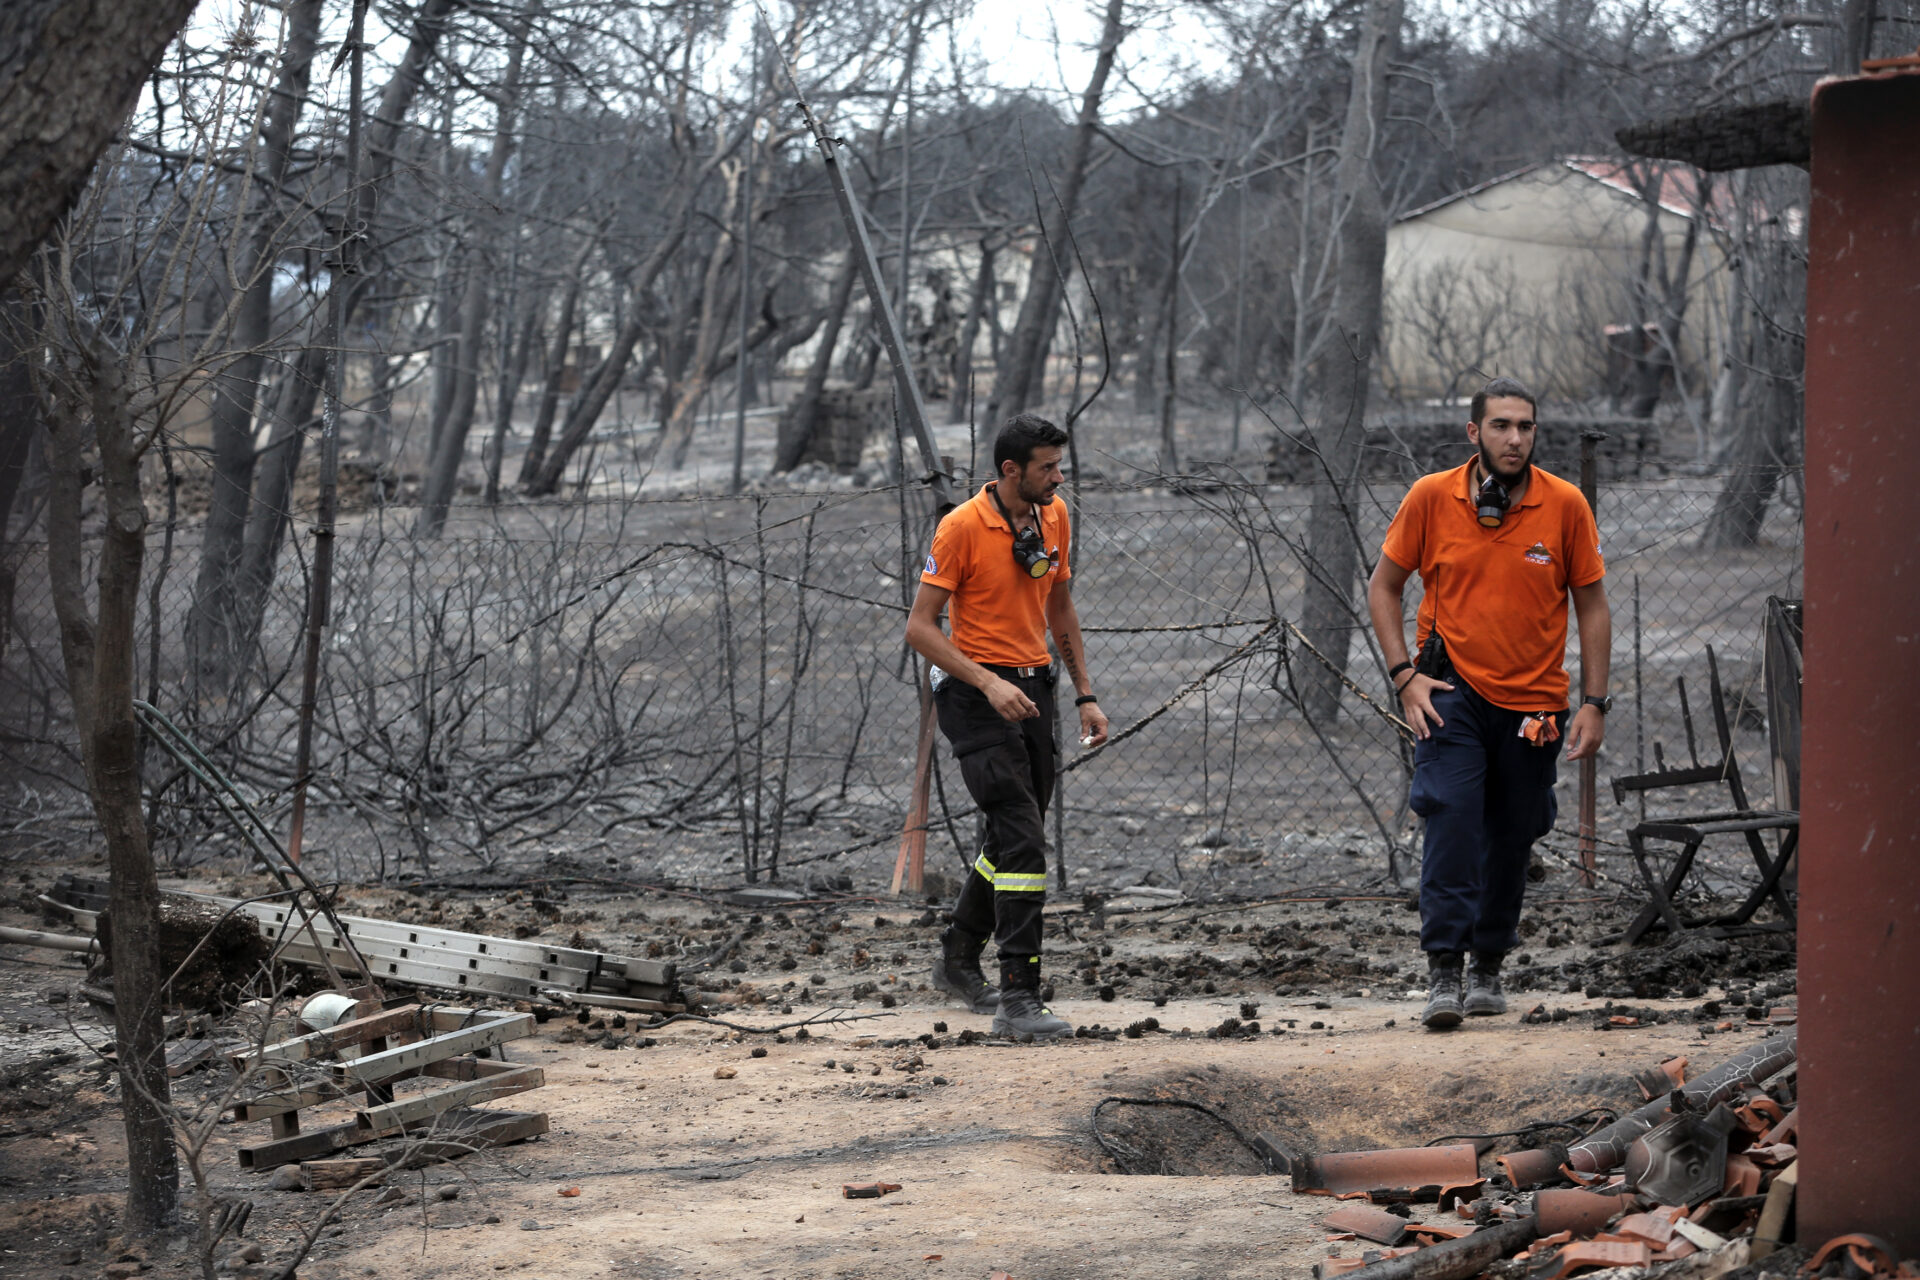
(1019, 673)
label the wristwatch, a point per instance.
(1604, 702)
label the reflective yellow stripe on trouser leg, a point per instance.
(984, 867)
(1019, 882)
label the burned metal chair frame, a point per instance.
(1691, 830)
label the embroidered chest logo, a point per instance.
(1538, 553)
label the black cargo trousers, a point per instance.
(1009, 768)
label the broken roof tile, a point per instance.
(1528, 1169)
(1786, 1131)
(1591, 1253)
(1653, 1228)
(1581, 1212)
(1451, 1169)
(1743, 1177)
(1661, 1079)
(1364, 1220)
(1340, 1266)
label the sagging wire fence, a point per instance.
(705, 693)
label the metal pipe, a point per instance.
(55, 941)
(1607, 1149)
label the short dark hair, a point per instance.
(1500, 389)
(1022, 434)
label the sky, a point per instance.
(1047, 45)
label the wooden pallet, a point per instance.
(367, 1055)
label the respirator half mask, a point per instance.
(1029, 548)
(1490, 505)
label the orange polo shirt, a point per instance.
(998, 613)
(1499, 595)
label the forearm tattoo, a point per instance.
(1072, 659)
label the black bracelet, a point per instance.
(1084, 699)
(1396, 669)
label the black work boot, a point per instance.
(1484, 997)
(957, 971)
(1022, 1016)
(1443, 991)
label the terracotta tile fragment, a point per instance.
(1581, 1212)
(1662, 1079)
(1590, 1253)
(1367, 1222)
(1862, 1248)
(1341, 1266)
(1528, 1169)
(867, 1190)
(1435, 1232)
(1450, 1168)
(1544, 1243)
(1743, 1177)
(1653, 1228)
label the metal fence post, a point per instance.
(1589, 772)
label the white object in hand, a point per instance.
(1087, 741)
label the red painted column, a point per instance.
(1860, 749)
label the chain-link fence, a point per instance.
(705, 691)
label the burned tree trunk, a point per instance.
(99, 661)
(298, 391)
(515, 357)
(797, 426)
(599, 387)
(237, 390)
(1170, 326)
(1333, 548)
(1765, 449)
(677, 438)
(70, 71)
(450, 436)
(1022, 373)
(555, 372)
(983, 296)
(19, 428)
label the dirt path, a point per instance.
(693, 1157)
(681, 1173)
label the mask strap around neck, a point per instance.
(1000, 502)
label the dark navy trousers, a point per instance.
(1486, 794)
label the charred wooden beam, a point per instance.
(1746, 136)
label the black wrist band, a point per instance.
(1084, 699)
(1396, 669)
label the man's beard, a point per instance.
(1488, 469)
(1039, 498)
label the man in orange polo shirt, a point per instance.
(1499, 546)
(999, 567)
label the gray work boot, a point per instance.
(1484, 997)
(957, 971)
(1443, 991)
(1021, 1014)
